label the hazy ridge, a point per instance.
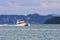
(31, 18)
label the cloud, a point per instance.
(31, 3)
(51, 5)
(36, 4)
(29, 6)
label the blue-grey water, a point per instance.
(33, 32)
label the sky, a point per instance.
(24, 7)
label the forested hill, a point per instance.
(55, 20)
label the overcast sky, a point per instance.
(24, 7)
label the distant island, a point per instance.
(31, 18)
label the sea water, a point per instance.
(32, 32)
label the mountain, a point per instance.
(11, 19)
(37, 19)
(31, 18)
(54, 20)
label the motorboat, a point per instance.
(18, 23)
(22, 23)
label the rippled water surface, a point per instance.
(33, 32)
